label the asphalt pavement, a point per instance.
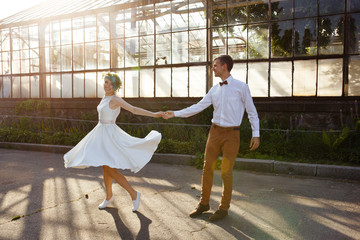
(40, 199)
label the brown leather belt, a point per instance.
(236, 128)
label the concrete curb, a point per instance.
(258, 165)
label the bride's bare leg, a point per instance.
(120, 179)
(108, 182)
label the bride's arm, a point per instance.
(119, 102)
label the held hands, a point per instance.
(164, 115)
(168, 114)
(254, 143)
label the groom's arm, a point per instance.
(195, 108)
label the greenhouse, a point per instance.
(281, 48)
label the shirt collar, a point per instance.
(228, 79)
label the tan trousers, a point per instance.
(227, 141)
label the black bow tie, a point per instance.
(224, 82)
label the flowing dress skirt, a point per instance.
(109, 145)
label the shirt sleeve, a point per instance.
(251, 111)
(195, 108)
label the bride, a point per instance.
(109, 146)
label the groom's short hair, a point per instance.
(226, 59)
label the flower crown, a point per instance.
(115, 80)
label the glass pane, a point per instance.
(197, 81)
(78, 30)
(6, 86)
(78, 85)
(353, 5)
(55, 60)
(100, 84)
(305, 8)
(55, 86)
(146, 19)
(305, 37)
(34, 60)
(103, 26)
(132, 83)
(331, 35)
(218, 41)
(163, 82)
(219, 17)
(162, 17)
(239, 72)
(47, 35)
(78, 57)
(258, 10)
(281, 9)
(281, 39)
(330, 77)
(131, 52)
(25, 87)
(354, 76)
(163, 47)
(34, 36)
(354, 33)
(281, 79)
(66, 58)
(237, 11)
(24, 37)
(16, 87)
(47, 59)
(90, 56)
(131, 24)
(117, 55)
(258, 79)
(146, 50)
(237, 42)
(197, 18)
(66, 87)
(336, 6)
(180, 47)
(90, 84)
(258, 41)
(197, 46)
(180, 82)
(55, 33)
(90, 28)
(47, 86)
(6, 62)
(5, 38)
(15, 35)
(104, 54)
(119, 24)
(25, 61)
(66, 31)
(35, 86)
(179, 15)
(304, 78)
(16, 62)
(147, 83)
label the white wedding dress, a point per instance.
(109, 145)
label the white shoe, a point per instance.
(136, 202)
(105, 203)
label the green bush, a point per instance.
(178, 136)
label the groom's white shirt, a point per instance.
(230, 102)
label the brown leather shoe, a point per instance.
(219, 214)
(199, 210)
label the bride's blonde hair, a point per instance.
(115, 80)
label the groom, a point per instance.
(230, 98)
